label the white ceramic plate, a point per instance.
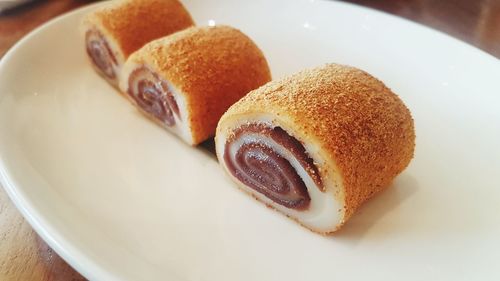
(121, 199)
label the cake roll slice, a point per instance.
(186, 81)
(317, 144)
(121, 27)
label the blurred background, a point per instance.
(474, 21)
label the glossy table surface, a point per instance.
(24, 256)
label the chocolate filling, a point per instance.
(260, 167)
(100, 53)
(153, 95)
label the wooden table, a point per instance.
(24, 256)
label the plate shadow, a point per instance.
(377, 207)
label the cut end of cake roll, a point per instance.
(119, 28)
(266, 159)
(316, 145)
(186, 81)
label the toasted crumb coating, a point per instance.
(213, 67)
(132, 23)
(362, 129)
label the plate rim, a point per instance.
(72, 255)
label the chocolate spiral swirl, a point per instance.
(252, 157)
(100, 53)
(153, 96)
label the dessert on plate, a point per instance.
(187, 80)
(120, 27)
(317, 144)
